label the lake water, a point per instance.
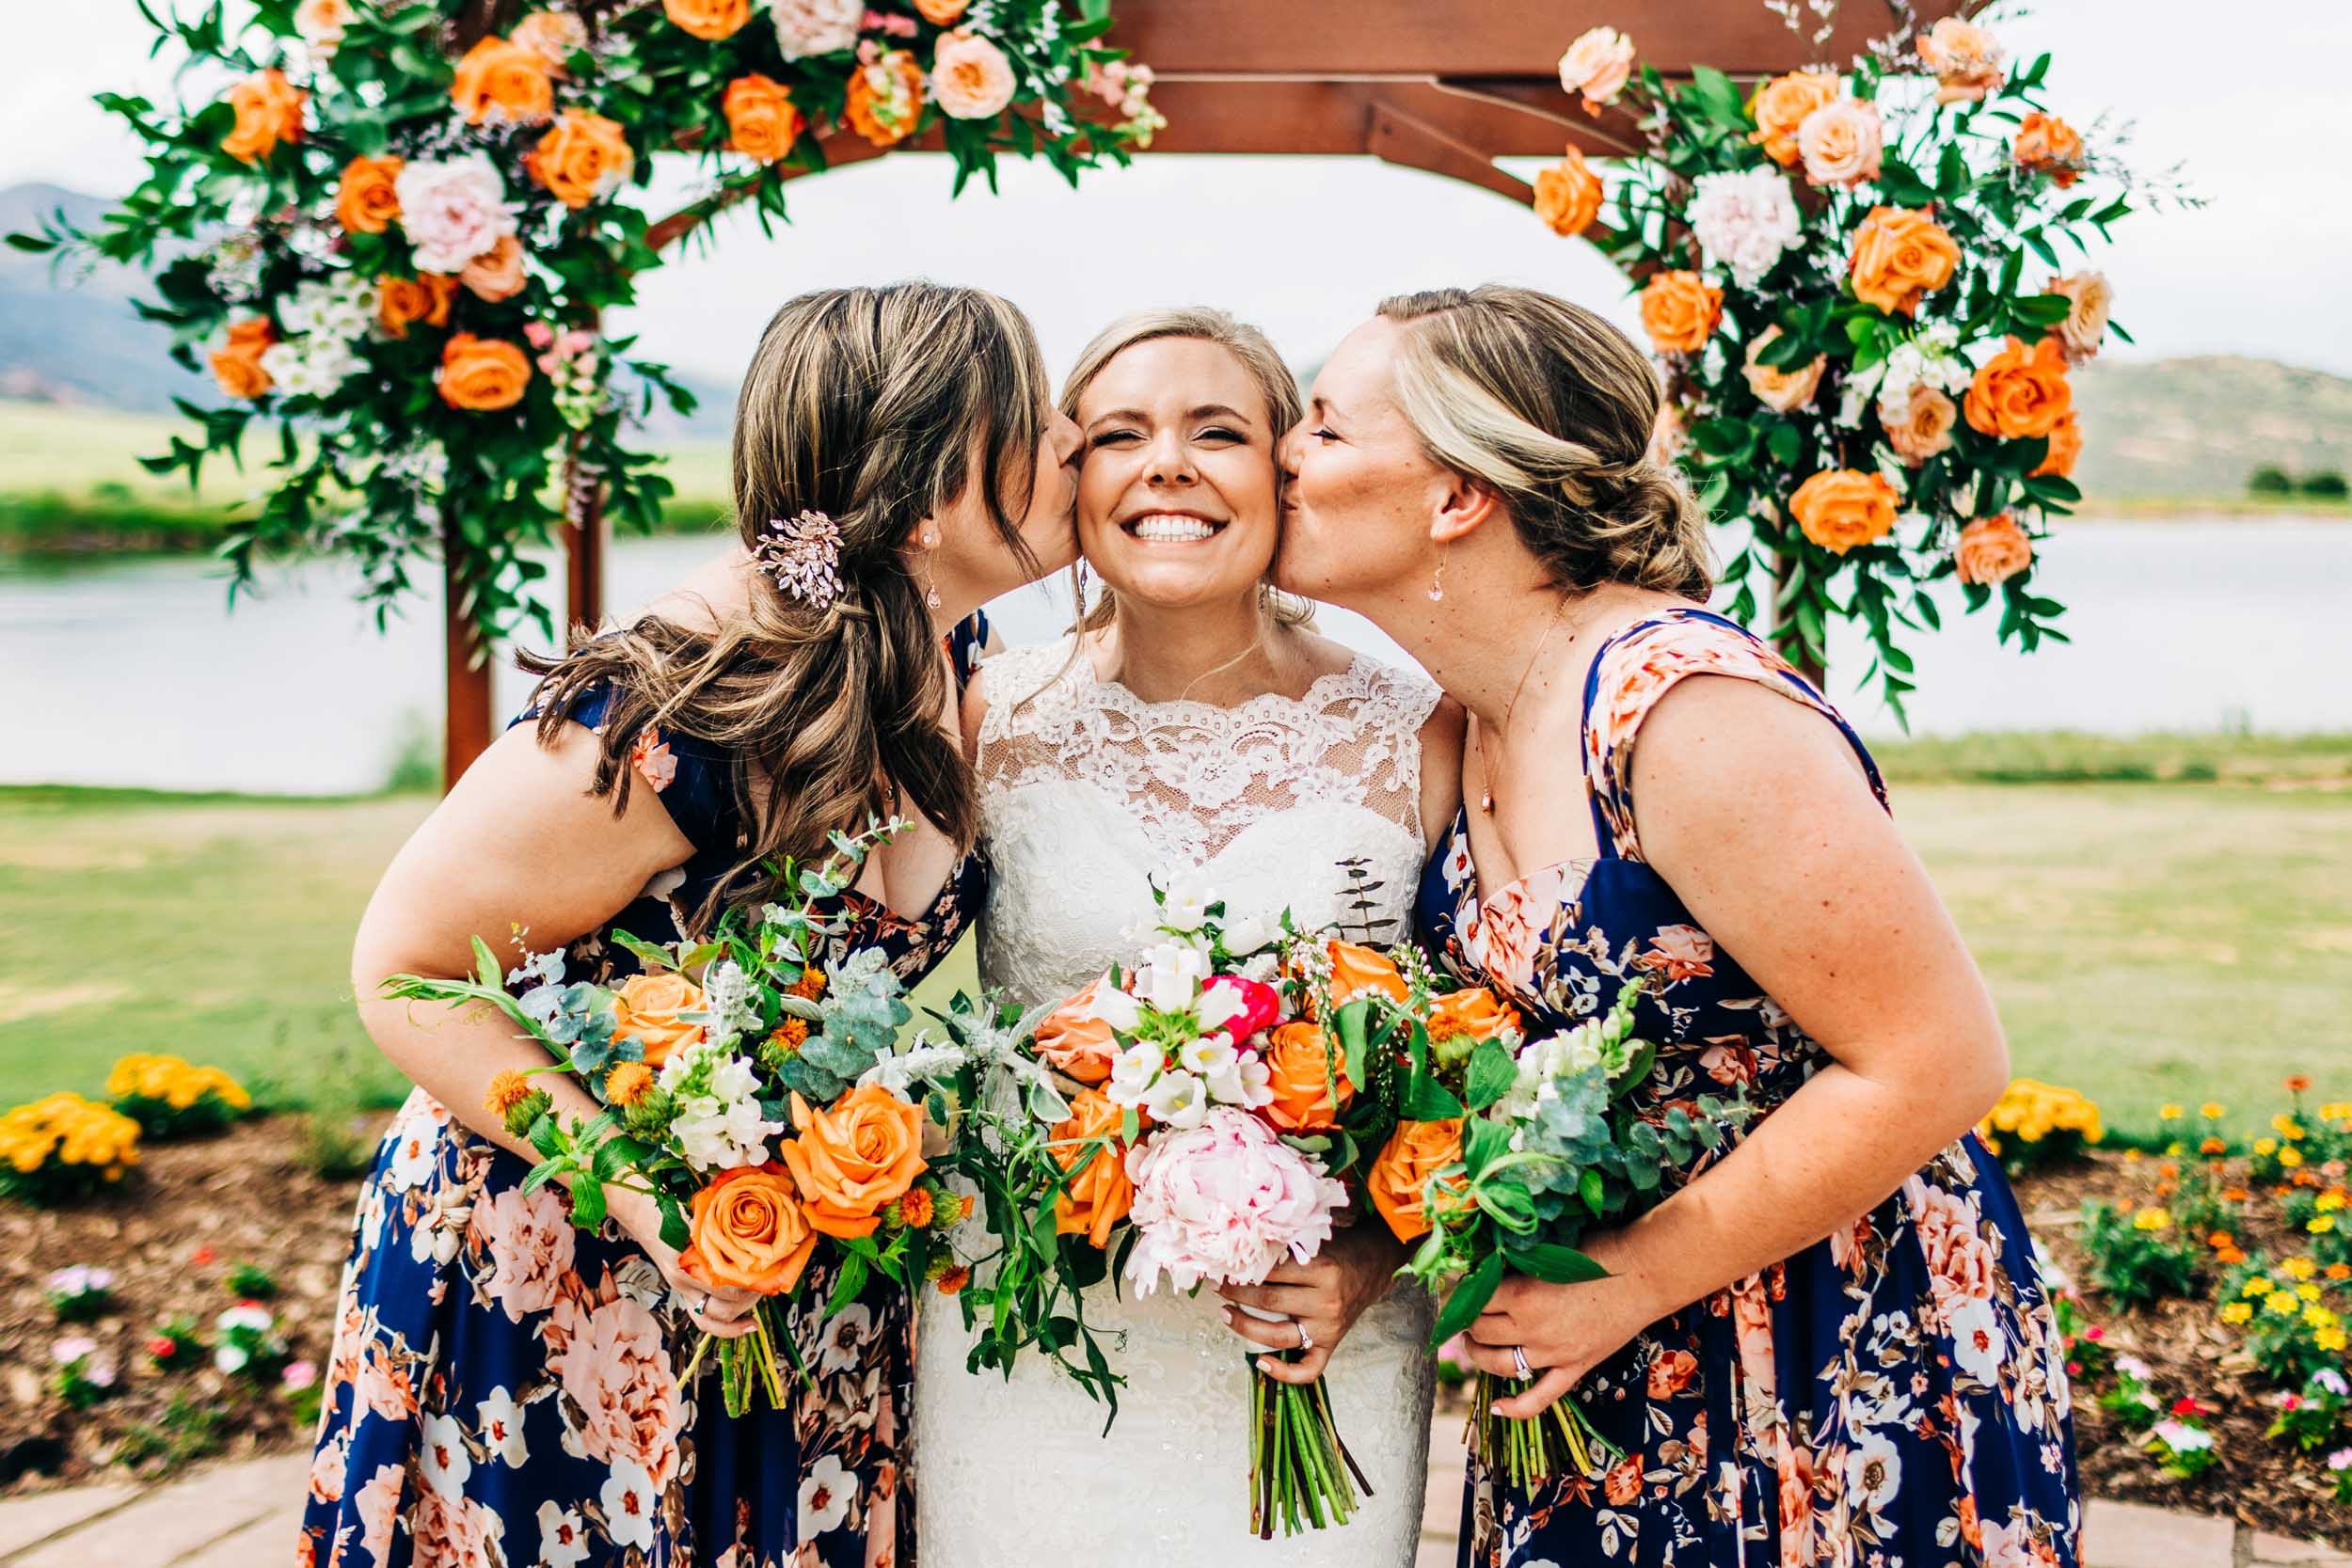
(137, 674)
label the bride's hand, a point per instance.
(1324, 1298)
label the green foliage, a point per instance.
(2327, 485)
(2269, 480)
(190, 1429)
(2139, 1257)
(250, 1281)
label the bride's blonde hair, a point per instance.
(1206, 323)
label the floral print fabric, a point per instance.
(506, 1392)
(1892, 1397)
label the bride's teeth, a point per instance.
(1163, 528)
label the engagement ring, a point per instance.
(1306, 1341)
(1519, 1359)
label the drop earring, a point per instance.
(1436, 583)
(1078, 581)
(930, 583)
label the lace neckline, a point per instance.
(1355, 679)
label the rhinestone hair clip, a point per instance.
(801, 555)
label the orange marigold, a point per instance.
(2298, 1084)
(914, 1208)
(954, 1281)
(508, 1089)
(628, 1084)
(810, 987)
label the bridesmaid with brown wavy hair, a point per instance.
(504, 1389)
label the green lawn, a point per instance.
(2147, 942)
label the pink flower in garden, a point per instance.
(1226, 1201)
(298, 1375)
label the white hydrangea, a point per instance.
(1744, 221)
(805, 27)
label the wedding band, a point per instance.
(1306, 1341)
(1519, 1359)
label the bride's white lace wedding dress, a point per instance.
(1309, 803)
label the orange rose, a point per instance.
(580, 158)
(365, 202)
(1965, 58)
(400, 302)
(762, 123)
(2090, 296)
(1415, 1151)
(708, 19)
(854, 1159)
(497, 272)
(2048, 145)
(2021, 392)
(1922, 427)
(237, 363)
(1072, 1040)
(1680, 310)
(1781, 106)
(1778, 389)
(268, 111)
(886, 99)
(555, 37)
(1301, 1071)
(1098, 1196)
(1476, 1014)
(502, 80)
(482, 373)
(646, 1006)
(1899, 254)
(1359, 971)
(1992, 550)
(1568, 194)
(943, 13)
(2066, 445)
(750, 1234)
(1840, 508)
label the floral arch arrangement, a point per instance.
(394, 234)
(1836, 285)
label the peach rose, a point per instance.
(1072, 1040)
(1781, 107)
(762, 123)
(1992, 550)
(1778, 389)
(750, 1232)
(854, 1158)
(502, 80)
(1474, 1014)
(2020, 392)
(943, 13)
(268, 111)
(1841, 508)
(237, 363)
(1098, 1196)
(1360, 971)
(1899, 254)
(1680, 309)
(614, 1367)
(2066, 446)
(886, 99)
(581, 157)
(1415, 1151)
(971, 79)
(708, 19)
(2091, 297)
(1302, 1071)
(497, 273)
(2048, 145)
(1841, 143)
(1597, 65)
(365, 202)
(555, 37)
(1966, 60)
(402, 302)
(1923, 426)
(1568, 194)
(645, 1009)
(320, 23)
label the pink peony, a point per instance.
(1261, 1005)
(615, 1367)
(1841, 143)
(452, 210)
(805, 27)
(971, 79)
(1598, 64)
(529, 1238)
(1224, 1202)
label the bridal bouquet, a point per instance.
(760, 1106)
(1513, 1149)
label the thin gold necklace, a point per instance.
(1486, 764)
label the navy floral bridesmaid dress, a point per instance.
(1892, 1397)
(504, 1389)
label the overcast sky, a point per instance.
(2247, 96)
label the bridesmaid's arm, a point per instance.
(1754, 810)
(518, 850)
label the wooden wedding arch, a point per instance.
(1444, 86)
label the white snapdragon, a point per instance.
(1744, 221)
(719, 1123)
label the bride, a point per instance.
(1194, 731)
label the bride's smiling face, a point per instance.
(1176, 482)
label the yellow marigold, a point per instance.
(2257, 1286)
(790, 1034)
(2152, 1219)
(2168, 1113)
(2211, 1110)
(507, 1091)
(2331, 1200)
(2290, 1156)
(2283, 1303)
(2321, 1225)
(2298, 1268)
(2332, 1340)
(627, 1083)
(2265, 1146)
(2238, 1312)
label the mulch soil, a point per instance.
(198, 1208)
